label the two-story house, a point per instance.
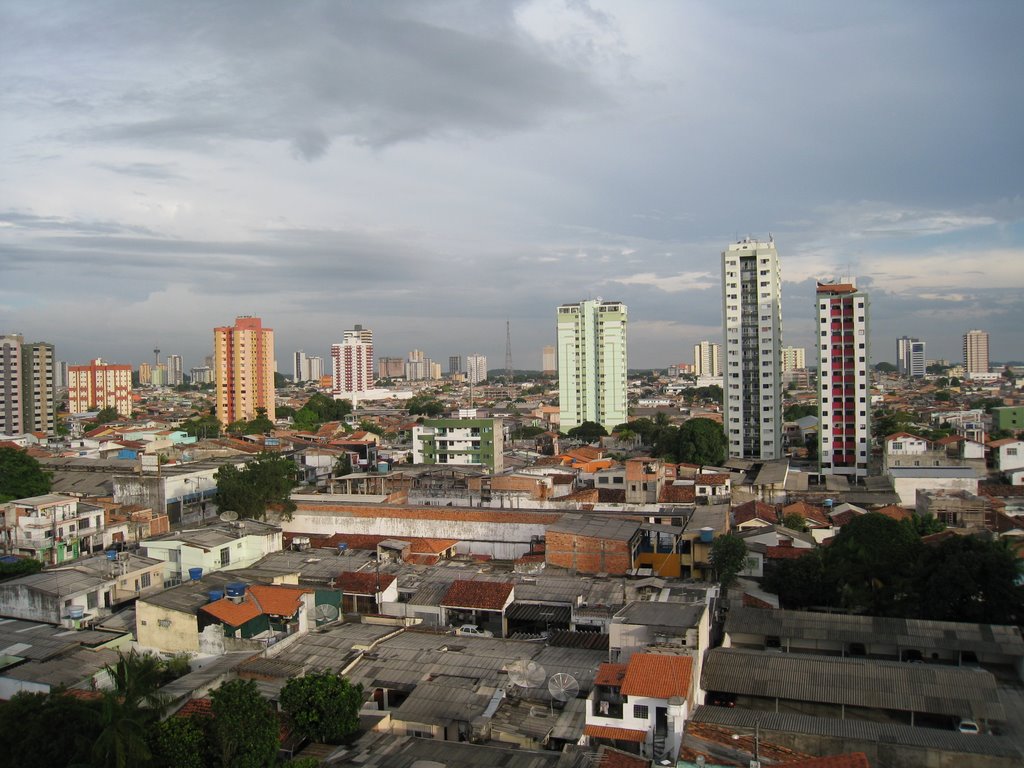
(53, 528)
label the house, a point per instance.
(260, 612)
(1007, 455)
(53, 528)
(225, 546)
(482, 603)
(366, 592)
(641, 707)
(754, 514)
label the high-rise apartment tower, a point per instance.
(752, 309)
(910, 357)
(975, 352)
(353, 362)
(476, 368)
(243, 356)
(844, 431)
(100, 385)
(592, 363)
(707, 359)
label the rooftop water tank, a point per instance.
(216, 594)
(707, 535)
(111, 554)
(75, 611)
(195, 573)
(235, 589)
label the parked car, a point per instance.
(472, 630)
(968, 726)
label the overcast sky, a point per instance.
(433, 169)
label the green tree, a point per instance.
(343, 466)
(925, 525)
(964, 578)
(728, 557)
(795, 521)
(588, 431)
(263, 482)
(885, 368)
(324, 707)
(525, 433)
(665, 442)
(701, 441)
(244, 729)
(44, 730)
(128, 711)
(181, 742)
(105, 416)
(21, 476)
(799, 410)
(202, 427)
(801, 583)
(24, 566)
(872, 560)
(425, 405)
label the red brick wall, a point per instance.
(585, 554)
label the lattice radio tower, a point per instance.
(508, 358)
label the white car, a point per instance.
(968, 726)
(472, 630)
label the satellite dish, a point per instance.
(525, 673)
(228, 516)
(563, 686)
(326, 612)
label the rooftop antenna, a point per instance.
(508, 357)
(156, 355)
(525, 673)
(562, 686)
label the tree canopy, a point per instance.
(324, 707)
(424, 405)
(265, 481)
(257, 426)
(202, 427)
(588, 431)
(21, 476)
(728, 557)
(244, 726)
(701, 441)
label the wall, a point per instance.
(587, 555)
(907, 487)
(182, 634)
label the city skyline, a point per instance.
(496, 160)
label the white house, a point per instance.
(222, 547)
(1007, 454)
(53, 527)
(641, 707)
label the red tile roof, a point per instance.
(617, 734)
(613, 758)
(677, 494)
(231, 613)
(659, 676)
(785, 553)
(260, 599)
(610, 674)
(203, 707)
(896, 512)
(849, 760)
(352, 583)
(754, 510)
(755, 602)
(807, 511)
(483, 595)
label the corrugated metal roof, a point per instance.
(861, 730)
(857, 682)
(907, 633)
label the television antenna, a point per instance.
(525, 673)
(326, 612)
(563, 687)
(228, 516)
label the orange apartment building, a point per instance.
(100, 385)
(243, 360)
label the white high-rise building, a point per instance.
(910, 357)
(476, 368)
(592, 363)
(548, 361)
(299, 366)
(175, 371)
(752, 309)
(793, 358)
(844, 431)
(707, 359)
(353, 362)
(975, 352)
(314, 368)
(11, 422)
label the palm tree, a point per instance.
(128, 710)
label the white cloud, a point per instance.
(684, 281)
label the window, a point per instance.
(146, 580)
(225, 556)
(641, 712)
(92, 599)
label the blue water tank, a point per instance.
(75, 611)
(383, 467)
(195, 573)
(828, 503)
(342, 547)
(111, 554)
(216, 594)
(707, 535)
(236, 589)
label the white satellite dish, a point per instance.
(563, 686)
(228, 516)
(326, 612)
(525, 673)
